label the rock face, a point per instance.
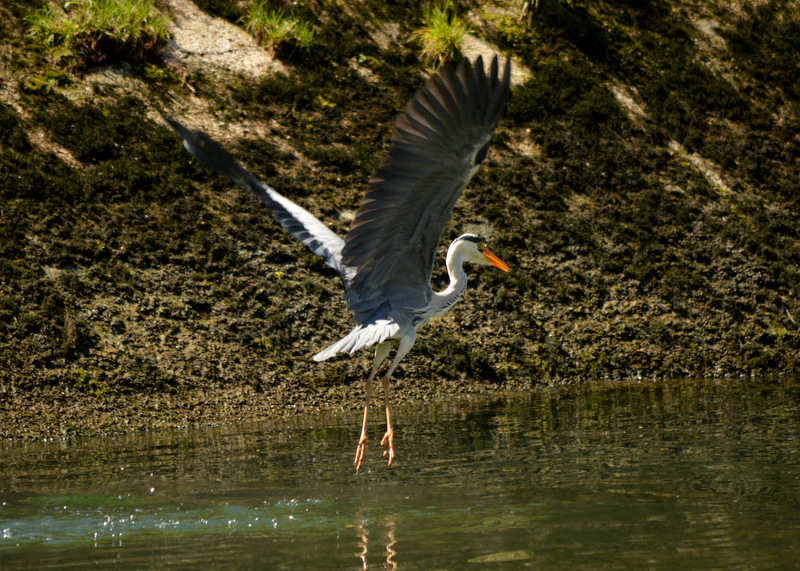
(643, 186)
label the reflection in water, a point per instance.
(362, 530)
(694, 473)
(391, 540)
(363, 536)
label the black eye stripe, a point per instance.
(471, 238)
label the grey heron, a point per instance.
(386, 260)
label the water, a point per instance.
(700, 474)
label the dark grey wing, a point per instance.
(296, 220)
(437, 145)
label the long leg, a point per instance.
(406, 342)
(362, 441)
(381, 352)
(388, 439)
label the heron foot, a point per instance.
(362, 445)
(388, 444)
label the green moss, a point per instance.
(12, 135)
(46, 80)
(548, 359)
(456, 357)
(684, 94)
(764, 41)
(90, 383)
(511, 33)
(143, 375)
(561, 89)
(336, 374)
(330, 115)
(130, 158)
(273, 348)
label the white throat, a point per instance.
(442, 301)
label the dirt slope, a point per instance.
(643, 185)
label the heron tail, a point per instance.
(362, 336)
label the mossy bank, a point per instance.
(644, 187)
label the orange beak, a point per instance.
(494, 260)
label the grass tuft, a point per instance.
(92, 32)
(442, 33)
(277, 30)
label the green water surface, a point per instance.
(686, 473)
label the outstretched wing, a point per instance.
(438, 144)
(296, 220)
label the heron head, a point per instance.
(477, 252)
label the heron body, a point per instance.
(386, 260)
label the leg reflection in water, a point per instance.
(362, 529)
(390, 541)
(363, 543)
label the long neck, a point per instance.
(445, 299)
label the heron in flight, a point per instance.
(386, 260)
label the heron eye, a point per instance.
(481, 247)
